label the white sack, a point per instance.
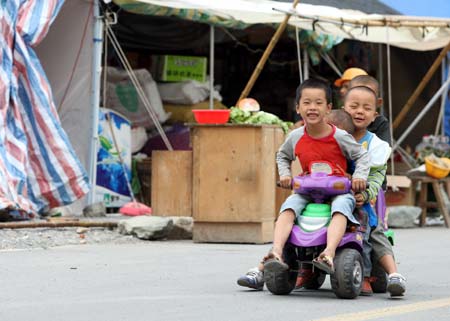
(122, 96)
(186, 92)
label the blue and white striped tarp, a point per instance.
(38, 167)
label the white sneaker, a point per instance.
(254, 279)
(396, 285)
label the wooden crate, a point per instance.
(234, 182)
(172, 183)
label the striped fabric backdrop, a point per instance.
(38, 167)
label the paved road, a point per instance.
(176, 280)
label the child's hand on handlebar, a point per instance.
(285, 181)
(358, 184)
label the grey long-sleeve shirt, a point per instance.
(336, 149)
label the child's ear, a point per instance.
(330, 106)
(379, 102)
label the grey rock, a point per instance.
(82, 230)
(182, 228)
(95, 210)
(146, 227)
(403, 216)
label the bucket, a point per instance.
(437, 167)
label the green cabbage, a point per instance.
(238, 116)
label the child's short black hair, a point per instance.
(364, 88)
(313, 83)
(365, 80)
(341, 119)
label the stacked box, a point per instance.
(172, 68)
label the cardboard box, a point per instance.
(179, 68)
(183, 113)
(399, 191)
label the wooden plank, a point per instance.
(233, 173)
(441, 203)
(220, 232)
(172, 183)
(422, 203)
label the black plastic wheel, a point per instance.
(379, 276)
(348, 276)
(316, 282)
(282, 283)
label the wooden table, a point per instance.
(423, 196)
(235, 198)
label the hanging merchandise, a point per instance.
(430, 144)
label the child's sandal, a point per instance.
(274, 262)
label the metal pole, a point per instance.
(95, 97)
(330, 63)
(381, 76)
(421, 86)
(305, 64)
(443, 88)
(389, 78)
(299, 55)
(211, 67)
(440, 120)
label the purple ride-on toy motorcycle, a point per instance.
(309, 235)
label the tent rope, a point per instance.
(123, 59)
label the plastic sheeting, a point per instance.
(38, 167)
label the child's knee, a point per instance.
(287, 214)
(338, 216)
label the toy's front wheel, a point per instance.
(347, 279)
(282, 283)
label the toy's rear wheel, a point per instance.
(379, 284)
(283, 283)
(347, 279)
(316, 282)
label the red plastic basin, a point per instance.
(211, 116)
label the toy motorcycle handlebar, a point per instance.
(278, 183)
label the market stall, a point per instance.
(198, 18)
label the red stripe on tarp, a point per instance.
(60, 156)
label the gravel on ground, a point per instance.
(31, 238)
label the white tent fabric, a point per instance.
(414, 33)
(67, 59)
(66, 56)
